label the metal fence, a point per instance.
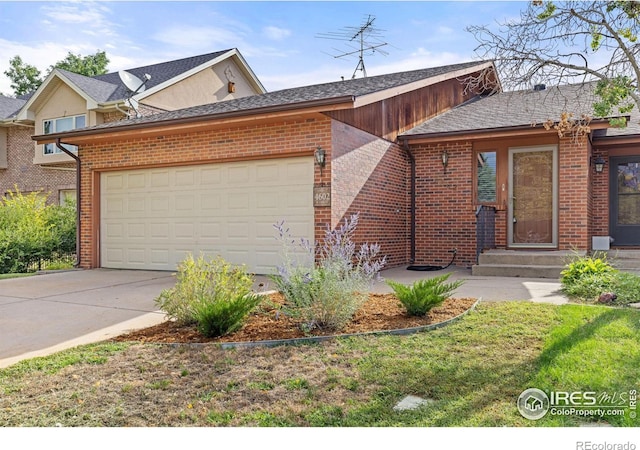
(55, 262)
(485, 229)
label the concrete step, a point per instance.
(519, 270)
(527, 258)
(627, 260)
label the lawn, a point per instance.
(473, 371)
(6, 276)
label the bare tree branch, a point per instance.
(559, 43)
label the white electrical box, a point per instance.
(600, 243)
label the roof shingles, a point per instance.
(289, 97)
(511, 109)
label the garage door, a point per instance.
(151, 218)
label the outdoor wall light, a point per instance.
(598, 163)
(445, 160)
(320, 156)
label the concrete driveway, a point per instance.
(43, 314)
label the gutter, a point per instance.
(78, 168)
(412, 163)
(478, 132)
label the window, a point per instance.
(59, 125)
(486, 177)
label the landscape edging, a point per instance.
(317, 339)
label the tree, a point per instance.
(24, 77)
(90, 65)
(569, 42)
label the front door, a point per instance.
(532, 218)
(624, 218)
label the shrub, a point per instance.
(212, 294)
(31, 230)
(584, 266)
(586, 278)
(589, 286)
(327, 283)
(217, 318)
(626, 287)
(424, 295)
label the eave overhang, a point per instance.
(409, 87)
(512, 131)
(196, 123)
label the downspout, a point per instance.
(412, 164)
(78, 168)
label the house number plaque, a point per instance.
(322, 196)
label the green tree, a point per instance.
(551, 43)
(24, 77)
(90, 65)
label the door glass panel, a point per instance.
(486, 176)
(629, 194)
(533, 197)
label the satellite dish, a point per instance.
(132, 103)
(132, 82)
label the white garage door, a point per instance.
(151, 218)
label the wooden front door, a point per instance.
(624, 218)
(532, 214)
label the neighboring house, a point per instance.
(67, 101)
(547, 191)
(215, 178)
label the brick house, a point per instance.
(66, 101)
(215, 178)
(548, 187)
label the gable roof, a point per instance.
(507, 110)
(354, 92)
(172, 71)
(109, 88)
(9, 106)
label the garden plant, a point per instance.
(590, 278)
(212, 294)
(424, 295)
(325, 284)
(32, 230)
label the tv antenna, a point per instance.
(135, 86)
(365, 36)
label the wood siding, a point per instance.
(390, 117)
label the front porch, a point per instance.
(544, 264)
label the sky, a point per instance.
(285, 43)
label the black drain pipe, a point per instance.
(77, 159)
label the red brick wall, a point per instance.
(28, 177)
(248, 142)
(574, 194)
(599, 223)
(370, 177)
(445, 217)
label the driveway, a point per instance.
(43, 314)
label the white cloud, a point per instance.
(42, 56)
(276, 33)
(90, 18)
(197, 38)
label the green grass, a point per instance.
(5, 276)
(472, 370)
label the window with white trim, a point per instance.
(58, 126)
